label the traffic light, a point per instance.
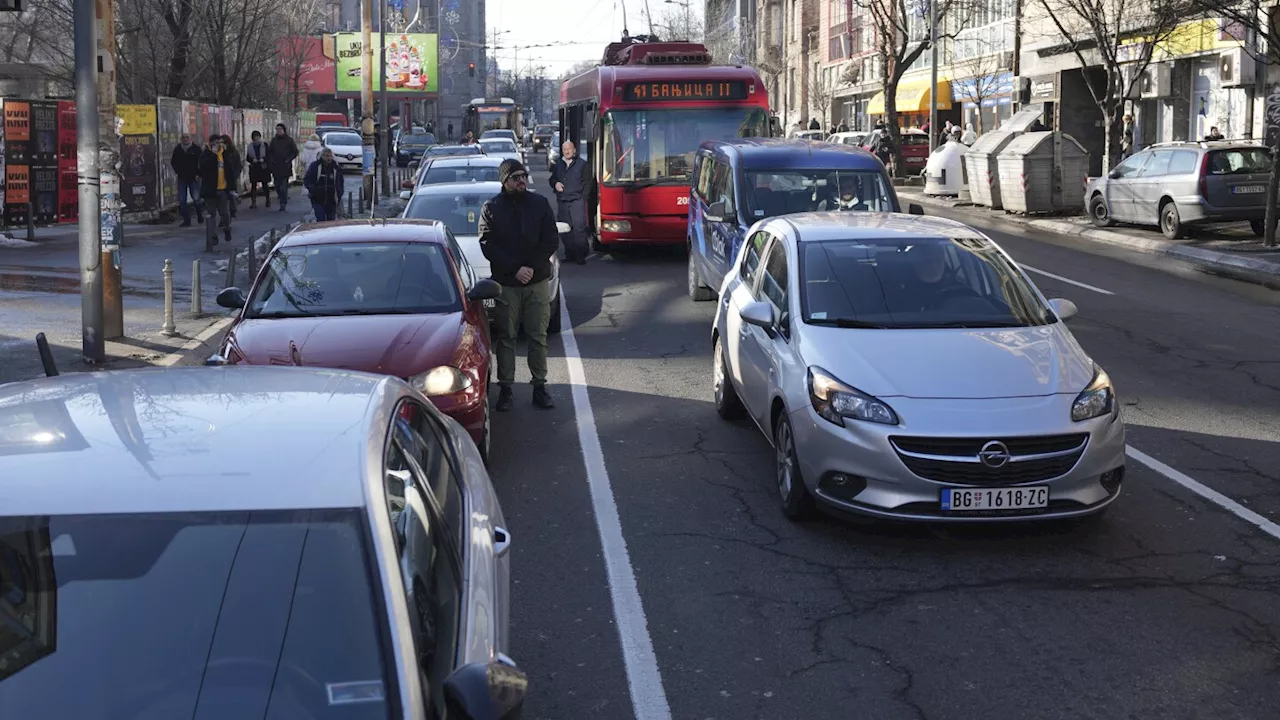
(471, 69)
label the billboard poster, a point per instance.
(304, 67)
(169, 129)
(306, 124)
(17, 169)
(68, 191)
(189, 112)
(1, 157)
(412, 65)
(17, 191)
(44, 194)
(138, 186)
(44, 134)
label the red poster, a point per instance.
(68, 192)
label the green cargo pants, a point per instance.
(526, 307)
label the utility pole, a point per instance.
(92, 342)
(1017, 55)
(109, 173)
(366, 93)
(382, 98)
(933, 73)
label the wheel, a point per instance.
(728, 404)
(1100, 213)
(698, 292)
(553, 325)
(1170, 222)
(796, 501)
(1259, 227)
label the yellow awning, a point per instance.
(913, 98)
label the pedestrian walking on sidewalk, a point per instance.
(233, 156)
(518, 236)
(218, 168)
(186, 165)
(324, 185)
(570, 178)
(259, 174)
(283, 152)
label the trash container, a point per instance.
(981, 166)
(944, 172)
(1026, 174)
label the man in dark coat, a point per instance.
(259, 174)
(282, 153)
(218, 170)
(571, 179)
(324, 184)
(518, 236)
(186, 165)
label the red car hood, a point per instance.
(399, 345)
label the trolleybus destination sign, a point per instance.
(685, 90)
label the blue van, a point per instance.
(737, 183)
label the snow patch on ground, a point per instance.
(13, 242)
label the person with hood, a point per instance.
(259, 173)
(969, 137)
(310, 151)
(283, 152)
(324, 185)
(218, 168)
(233, 182)
(518, 235)
(186, 165)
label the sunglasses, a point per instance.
(519, 176)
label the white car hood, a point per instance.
(470, 245)
(952, 363)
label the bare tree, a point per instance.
(300, 30)
(726, 37)
(679, 23)
(820, 94)
(978, 78)
(1102, 32)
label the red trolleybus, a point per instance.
(639, 117)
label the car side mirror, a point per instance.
(232, 297)
(406, 184)
(760, 314)
(405, 194)
(486, 691)
(915, 209)
(563, 228)
(1114, 174)
(1064, 309)
(716, 212)
(486, 289)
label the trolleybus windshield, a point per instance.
(656, 146)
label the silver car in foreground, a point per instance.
(905, 367)
(248, 542)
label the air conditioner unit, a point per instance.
(1156, 81)
(1130, 89)
(1021, 89)
(1237, 68)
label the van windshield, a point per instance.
(781, 192)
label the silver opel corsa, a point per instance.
(905, 367)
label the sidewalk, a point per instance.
(1228, 249)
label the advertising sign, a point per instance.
(2, 189)
(44, 134)
(169, 126)
(412, 64)
(138, 119)
(304, 68)
(44, 194)
(17, 170)
(138, 186)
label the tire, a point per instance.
(1170, 221)
(1099, 213)
(698, 292)
(1259, 227)
(553, 325)
(728, 404)
(793, 496)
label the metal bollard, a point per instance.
(210, 229)
(197, 307)
(31, 221)
(349, 213)
(362, 199)
(169, 329)
(252, 263)
(231, 271)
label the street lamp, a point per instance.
(688, 19)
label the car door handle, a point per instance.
(501, 541)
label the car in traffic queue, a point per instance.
(553, 150)
(395, 297)
(1177, 186)
(855, 138)
(249, 542)
(906, 368)
(542, 136)
(737, 183)
(500, 133)
(347, 147)
(439, 151)
(915, 149)
(501, 148)
(412, 145)
(458, 206)
(461, 169)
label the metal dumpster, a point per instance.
(1026, 168)
(980, 160)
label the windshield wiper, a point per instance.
(972, 324)
(280, 314)
(846, 323)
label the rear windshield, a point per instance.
(913, 139)
(418, 139)
(200, 615)
(498, 146)
(781, 192)
(1239, 161)
(454, 150)
(459, 211)
(465, 173)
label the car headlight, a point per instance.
(1096, 400)
(618, 226)
(443, 380)
(835, 401)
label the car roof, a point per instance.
(786, 154)
(466, 161)
(491, 187)
(365, 231)
(194, 439)
(837, 225)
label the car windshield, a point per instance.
(916, 283)
(454, 150)
(192, 615)
(342, 138)
(459, 173)
(1239, 161)
(355, 279)
(780, 192)
(418, 139)
(498, 146)
(460, 212)
(651, 147)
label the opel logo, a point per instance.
(994, 454)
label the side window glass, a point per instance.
(701, 176)
(722, 188)
(428, 445)
(1131, 166)
(1183, 162)
(1158, 165)
(464, 267)
(751, 257)
(715, 183)
(773, 286)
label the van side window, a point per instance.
(701, 176)
(751, 256)
(722, 189)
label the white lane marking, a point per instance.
(648, 698)
(1205, 492)
(1077, 283)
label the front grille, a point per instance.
(955, 460)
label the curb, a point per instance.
(1199, 256)
(198, 348)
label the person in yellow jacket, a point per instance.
(219, 170)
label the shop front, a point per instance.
(913, 98)
(985, 100)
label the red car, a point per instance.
(915, 151)
(395, 297)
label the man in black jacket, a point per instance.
(186, 165)
(570, 179)
(518, 236)
(280, 157)
(219, 169)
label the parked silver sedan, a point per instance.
(905, 367)
(248, 542)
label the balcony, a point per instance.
(970, 43)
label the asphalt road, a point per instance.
(1165, 608)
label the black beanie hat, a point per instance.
(510, 167)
